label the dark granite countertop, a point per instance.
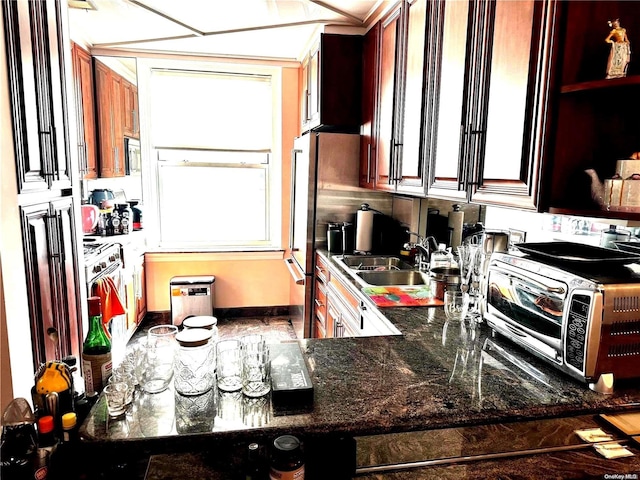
(435, 376)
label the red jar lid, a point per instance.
(45, 424)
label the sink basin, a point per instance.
(356, 262)
(392, 277)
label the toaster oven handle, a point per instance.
(515, 331)
(542, 286)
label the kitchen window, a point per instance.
(217, 179)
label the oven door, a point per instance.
(528, 308)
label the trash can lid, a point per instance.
(187, 280)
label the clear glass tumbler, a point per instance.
(159, 358)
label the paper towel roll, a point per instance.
(456, 220)
(364, 230)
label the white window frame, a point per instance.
(145, 66)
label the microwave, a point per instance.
(132, 159)
(582, 318)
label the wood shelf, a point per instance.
(601, 84)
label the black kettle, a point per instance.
(97, 196)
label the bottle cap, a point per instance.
(45, 424)
(200, 321)
(286, 443)
(442, 246)
(95, 308)
(69, 420)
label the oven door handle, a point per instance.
(522, 281)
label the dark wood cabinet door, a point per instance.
(411, 156)
(446, 162)
(83, 81)
(494, 108)
(368, 130)
(514, 133)
(117, 124)
(109, 97)
(387, 115)
(128, 109)
(331, 87)
(39, 98)
(51, 279)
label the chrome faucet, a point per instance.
(422, 246)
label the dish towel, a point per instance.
(109, 298)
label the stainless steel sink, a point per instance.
(392, 277)
(374, 263)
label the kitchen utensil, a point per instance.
(334, 238)
(611, 235)
(364, 229)
(90, 214)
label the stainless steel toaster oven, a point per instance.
(584, 318)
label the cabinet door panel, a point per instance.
(38, 94)
(446, 155)
(411, 164)
(368, 131)
(387, 103)
(52, 286)
(518, 105)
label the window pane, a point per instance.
(214, 206)
(215, 110)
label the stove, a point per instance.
(100, 259)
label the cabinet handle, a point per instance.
(319, 303)
(369, 148)
(462, 161)
(116, 163)
(397, 153)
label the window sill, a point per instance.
(211, 255)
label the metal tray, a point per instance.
(631, 247)
(570, 252)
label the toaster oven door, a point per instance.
(528, 308)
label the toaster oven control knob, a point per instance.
(112, 258)
(103, 265)
(96, 268)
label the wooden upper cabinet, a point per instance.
(493, 128)
(109, 103)
(330, 95)
(411, 161)
(131, 126)
(86, 122)
(389, 92)
(39, 97)
(368, 130)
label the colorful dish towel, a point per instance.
(112, 305)
(404, 296)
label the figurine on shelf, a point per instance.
(620, 54)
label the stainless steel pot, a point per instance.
(443, 279)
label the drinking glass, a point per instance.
(256, 366)
(456, 305)
(116, 395)
(160, 358)
(229, 366)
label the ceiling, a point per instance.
(262, 29)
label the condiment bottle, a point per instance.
(96, 351)
(287, 462)
(255, 467)
(69, 427)
(46, 445)
(441, 258)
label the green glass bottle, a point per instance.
(96, 351)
